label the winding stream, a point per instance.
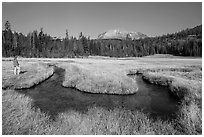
(51, 97)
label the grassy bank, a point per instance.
(94, 81)
(31, 74)
(184, 83)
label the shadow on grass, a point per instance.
(23, 71)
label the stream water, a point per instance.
(51, 97)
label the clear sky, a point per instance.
(152, 19)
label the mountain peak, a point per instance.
(121, 35)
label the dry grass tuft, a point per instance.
(190, 119)
(18, 117)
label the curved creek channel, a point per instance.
(51, 97)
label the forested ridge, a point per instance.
(187, 42)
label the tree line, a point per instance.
(38, 44)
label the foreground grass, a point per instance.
(20, 116)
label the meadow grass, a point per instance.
(32, 74)
(98, 81)
(184, 83)
(20, 116)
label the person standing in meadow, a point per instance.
(16, 66)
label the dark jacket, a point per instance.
(15, 62)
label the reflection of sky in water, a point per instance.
(51, 97)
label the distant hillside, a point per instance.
(121, 35)
(195, 32)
